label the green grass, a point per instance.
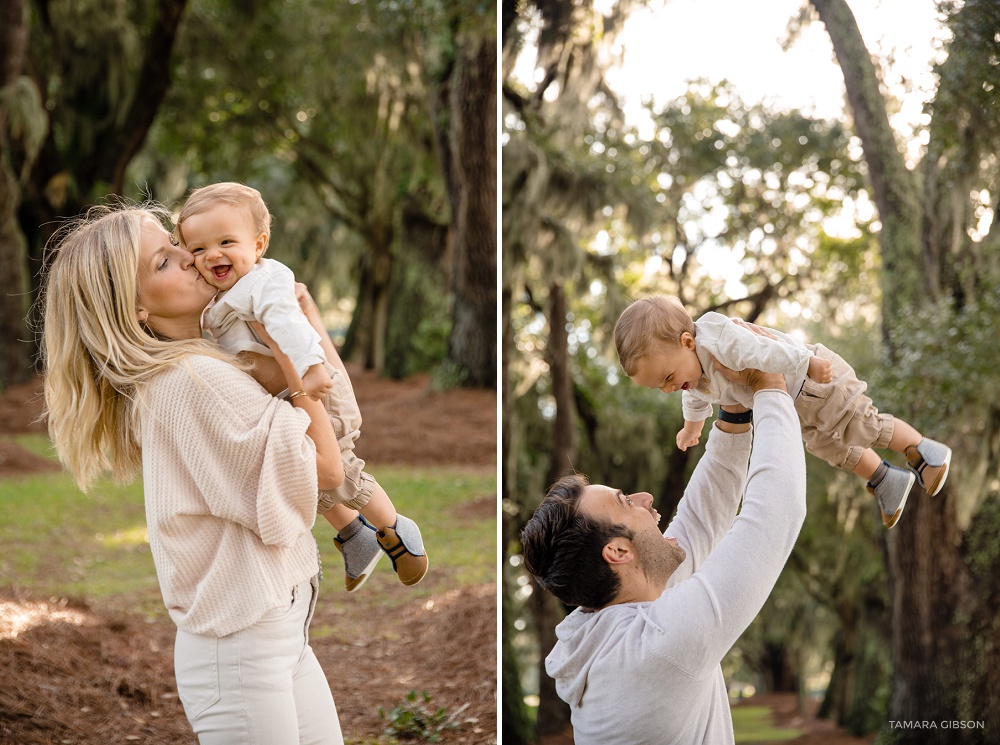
(38, 444)
(58, 541)
(753, 724)
(461, 544)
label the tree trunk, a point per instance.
(365, 342)
(839, 691)
(472, 347)
(940, 661)
(464, 114)
(564, 430)
(855, 698)
(16, 349)
(62, 183)
(893, 186)
(517, 728)
(674, 481)
(553, 712)
(781, 668)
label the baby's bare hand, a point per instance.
(686, 439)
(317, 382)
(820, 370)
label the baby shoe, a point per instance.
(405, 547)
(929, 460)
(890, 486)
(361, 552)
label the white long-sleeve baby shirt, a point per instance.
(265, 294)
(738, 348)
(650, 673)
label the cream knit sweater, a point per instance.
(230, 487)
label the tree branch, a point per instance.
(150, 90)
(333, 199)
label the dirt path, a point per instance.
(87, 677)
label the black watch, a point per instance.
(745, 418)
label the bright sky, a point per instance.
(674, 41)
(678, 40)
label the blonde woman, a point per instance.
(230, 473)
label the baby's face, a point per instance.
(670, 367)
(223, 243)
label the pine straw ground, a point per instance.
(72, 673)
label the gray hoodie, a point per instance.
(650, 672)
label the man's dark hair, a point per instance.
(563, 547)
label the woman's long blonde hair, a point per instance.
(96, 354)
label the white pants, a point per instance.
(259, 686)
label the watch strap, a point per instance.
(745, 418)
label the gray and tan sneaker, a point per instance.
(405, 547)
(929, 460)
(890, 486)
(361, 551)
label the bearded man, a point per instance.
(639, 660)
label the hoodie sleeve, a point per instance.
(711, 498)
(701, 617)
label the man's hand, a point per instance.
(820, 370)
(759, 330)
(753, 379)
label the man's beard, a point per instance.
(658, 558)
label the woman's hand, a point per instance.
(306, 302)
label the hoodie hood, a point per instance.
(584, 639)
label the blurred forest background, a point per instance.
(369, 126)
(884, 625)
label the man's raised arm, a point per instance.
(717, 604)
(712, 496)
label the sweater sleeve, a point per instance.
(246, 453)
(699, 619)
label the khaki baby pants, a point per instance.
(342, 406)
(839, 422)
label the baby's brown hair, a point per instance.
(235, 195)
(644, 323)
